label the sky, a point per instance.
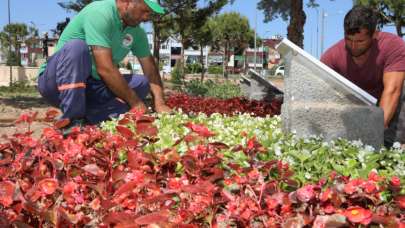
(45, 14)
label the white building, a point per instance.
(3, 58)
(170, 53)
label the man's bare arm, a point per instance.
(151, 71)
(393, 84)
(111, 76)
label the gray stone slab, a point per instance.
(333, 121)
(319, 101)
(256, 87)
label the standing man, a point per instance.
(45, 41)
(82, 77)
(374, 61)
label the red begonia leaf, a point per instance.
(7, 189)
(48, 186)
(146, 128)
(51, 114)
(400, 201)
(153, 218)
(61, 123)
(204, 187)
(129, 186)
(189, 163)
(119, 218)
(94, 169)
(124, 121)
(329, 221)
(124, 131)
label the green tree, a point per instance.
(69, 6)
(188, 18)
(74, 6)
(231, 31)
(390, 12)
(162, 30)
(203, 37)
(288, 9)
(13, 35)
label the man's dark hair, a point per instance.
(360, 17)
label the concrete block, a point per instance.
(319, 101)
(256, 87)
(334, 120)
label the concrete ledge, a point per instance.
(332, 121)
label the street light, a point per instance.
(317, 33)
(9, 45)
(323, 22)
(254, 58)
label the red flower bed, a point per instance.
(101, 180)
(190, 104)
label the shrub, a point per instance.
(196, 88)
(212, 89)
(215, 70)
(177, 75)
(224, 90)
(193, 68)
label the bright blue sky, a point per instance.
(46, 13)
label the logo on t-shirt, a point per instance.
(127, 41)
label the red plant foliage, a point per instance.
(84, 180)
(232, 106)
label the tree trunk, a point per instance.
(202, 63)
(398, 26)
(297, 22)
(182, 65)
(156, 43)
(225, 61)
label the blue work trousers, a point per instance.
(67, 84)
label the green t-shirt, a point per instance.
(99, 24)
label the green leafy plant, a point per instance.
(177, 76)
(209, 88)
(19, 88)
(215, 70)
(196, 88)
(193, 68)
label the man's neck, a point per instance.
(360, 60)
(121, 11)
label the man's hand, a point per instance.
(140, 106)
(160, 108)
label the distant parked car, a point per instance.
(279, 71)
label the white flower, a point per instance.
(277, 150)
(369, 148)
(357, 143)
(396, 145)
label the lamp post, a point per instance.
(9, 45)
(254, 58)
(323, 16)
(317, 33)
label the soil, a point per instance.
(12, 108)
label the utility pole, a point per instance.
(323, 15)
(254, 58)
(317, 32)
(9, 46)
